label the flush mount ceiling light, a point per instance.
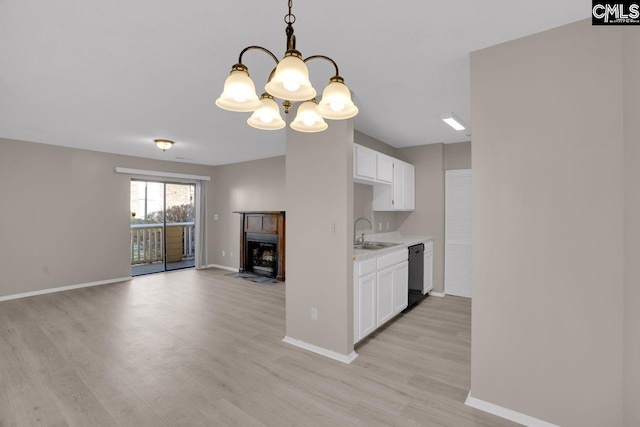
(289, 81)
(163, 144)
(454, 122)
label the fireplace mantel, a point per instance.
(263, 222)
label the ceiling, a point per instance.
(112, 76)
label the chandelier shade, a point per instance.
(239, 92)
(307, 119)
(268, 116)
(291, 80)
(336, 103)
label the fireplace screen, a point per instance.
(262, 257)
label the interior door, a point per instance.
(457, 243)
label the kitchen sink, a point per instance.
(372, 246)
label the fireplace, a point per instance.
(262, 243)
(262, 254)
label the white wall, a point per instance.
(547, 225)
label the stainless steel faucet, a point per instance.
(355, 239)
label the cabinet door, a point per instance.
(365, 163)
(398, 185)
(428, 272)
(384, 172)
(382, 197)
(400, 287)
(384, 295)
(409, 187)
(366, 298)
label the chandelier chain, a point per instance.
(290, 18)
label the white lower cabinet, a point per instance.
(384, 295)
(365, 297)
(400, 287)
(428, 269)
(381, 289)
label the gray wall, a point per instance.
(375, 144)
(68, 210)
(246, 186)
(457, 156)
(428, 217)
(631, 84)
(319, 259)
(547, 225)
(363, 207)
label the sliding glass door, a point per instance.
(162, 226)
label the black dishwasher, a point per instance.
(416, 273)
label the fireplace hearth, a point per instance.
(262, 243)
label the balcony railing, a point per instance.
(147, 242)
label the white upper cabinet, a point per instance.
(393, 180)
(385, 168)
(399, 185)
(364, 163)
(409, 187)
(400, 196)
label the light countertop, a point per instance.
(402, 241)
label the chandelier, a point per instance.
(288, 81)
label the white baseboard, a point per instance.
(322, 351)
(222, 267)
(436, 294)
(505, 413)
(458, 291)
(63, 288)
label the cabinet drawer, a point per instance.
(366, 267)
(385, 261)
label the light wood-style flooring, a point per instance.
(196, 348)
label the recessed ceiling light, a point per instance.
(454, 122)
(163, 144)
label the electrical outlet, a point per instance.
(314, 313)
(215, 217)
(223, 253)
(45, 270)
(379, 226)
(231, 254)
(334, 227)
(387, 225)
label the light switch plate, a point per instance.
(314, 313)
(215, 217)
